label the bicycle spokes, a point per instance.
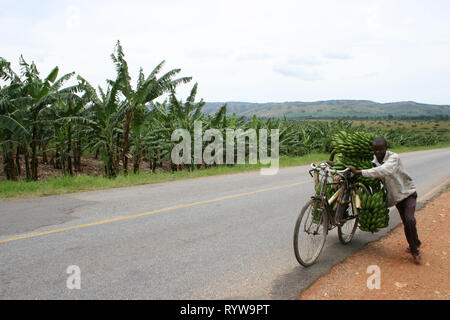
(310, 232)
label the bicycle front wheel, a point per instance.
(310, 232)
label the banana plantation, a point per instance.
(45, 121)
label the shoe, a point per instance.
(417, 258)
(408, 250)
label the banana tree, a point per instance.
(139, 129)
(157, 142)
(14, 134)
(42, 93)
(184, 115)
(69, 118)
(147, 90)
(104, 125)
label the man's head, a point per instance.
(379, 147)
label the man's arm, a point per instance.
(354, 170)
(386, 169)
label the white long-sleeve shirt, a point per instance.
(396, 180)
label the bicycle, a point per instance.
(335, 204)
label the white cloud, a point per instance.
(309, 61)
(246, 50)
(332, 54)
(297, 72)
(208, 53)
(254, 56)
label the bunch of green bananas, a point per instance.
(374, 214)
(329, 192)
(373, 183)
(353, 145)
(355, 149)
(358, 163)
(316, 212)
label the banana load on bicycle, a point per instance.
(355, 149)
(355, 190)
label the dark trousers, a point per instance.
(406, 209)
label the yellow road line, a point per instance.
(32, 235)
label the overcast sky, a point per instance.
(254, 51)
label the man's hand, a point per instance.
(354, 170)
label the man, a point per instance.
(400, 188)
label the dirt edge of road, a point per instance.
(389, 271)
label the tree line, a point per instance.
(44, 120)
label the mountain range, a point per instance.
(331, 109)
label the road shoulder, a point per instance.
(400, 278)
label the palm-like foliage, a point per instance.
(39, 115)
(168, 117)
(147, 90)
(105, 115)
(39, 94)
(69, 118)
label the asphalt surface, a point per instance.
(222, 237)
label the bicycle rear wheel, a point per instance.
(310, 232)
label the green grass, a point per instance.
(411, 149)
(67, 184)
(441, 128)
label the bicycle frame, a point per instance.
(320, 214)
(344, 195)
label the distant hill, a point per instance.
(331, 109)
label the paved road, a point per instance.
(223, 237)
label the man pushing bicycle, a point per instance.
(400, 188)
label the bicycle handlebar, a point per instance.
(326, 167)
